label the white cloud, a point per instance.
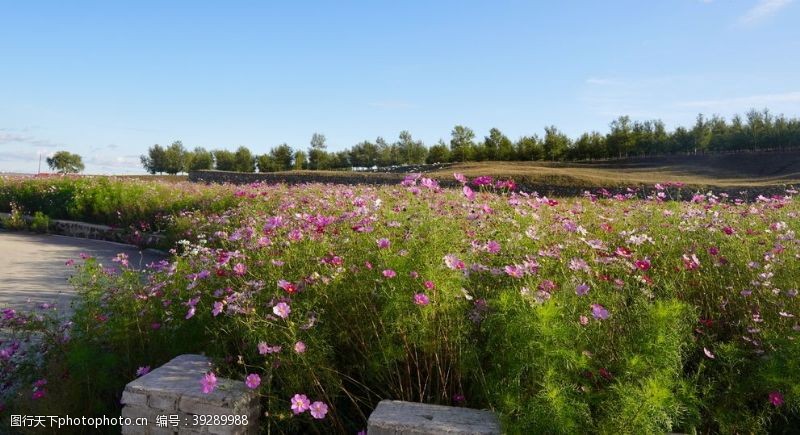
(762, 10)
(746, 102)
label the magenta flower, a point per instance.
(383, 243)
(460, 178)
(776, 398)
(208, 383)
(514, 271)
(299, 347)
(599, 312)
(300, 403)
(492, 247)
(252, 381)
(642, 264)
(141, 371)
(582, 289)
(239, 269)
(318, 410)
(217, 308)
(287, 286)
(452, 262)
(389, 273)
(421, 299)
(282, 310)
(39, 393)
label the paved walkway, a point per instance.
(33, 270)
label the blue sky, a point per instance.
(109, 79)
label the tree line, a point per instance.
(755, 131)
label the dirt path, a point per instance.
(33, 269)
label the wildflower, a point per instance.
(599, 312)
(217, 308)
(692, 262)
(421, 299)
(776, 398)
(492, 247)
(514, 271)
(582, 289)
(141, 371)
(708, 353)
(264, 348)
(429, 285)
(282, 310)
(643, 264)
(452, 262)
(579, 264)
(299, 347)
(239, 269)
(584, 320)
(318, 410)
(287, 286)
(389, 273)
(383, 243)
(208, 383)
(39, 393)
(460, 178)
(468, 193)
(252, 381)
(300, 403)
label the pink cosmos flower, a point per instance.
(708, 353)
(468, 193)
(776, 398)
(300, 403)
(429, 285)
(643, 264)
(217, 308)
(264, 348)
(282, 310)
(692, 262)
(318, 410)
(383, 243)
(582, 289)
(141, 371)
(584, 320)
(39, 393)
(208, 383)
(492, 247)
(389, 273)
(287, 286)
(599, 312)
(421, 299)
(452, 262)
(252, 381)
(460, 178)
(299, 347)
(239, 269)
(514, 271)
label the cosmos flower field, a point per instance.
(605, 313)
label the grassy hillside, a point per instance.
(732, 170)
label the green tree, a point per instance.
(244, 160)
(364, 154)
(555, 143)
(200, 159)
(497, 146)
(65, 162)
(409, 150)
(300, 160)
(155, 162)
(438, 153)
(529, 148)
(175, 158)
(318, 157)
(461, 144)
(282, 156)
(225, 160)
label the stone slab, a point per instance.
(394, 417)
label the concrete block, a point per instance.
(394, 417)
